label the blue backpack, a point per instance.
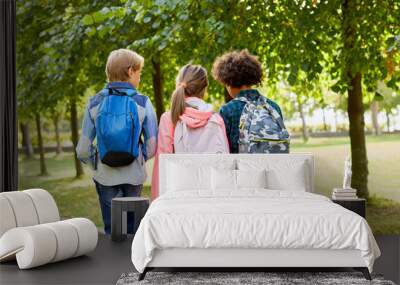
(117, 129)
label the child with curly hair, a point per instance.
(254, 123)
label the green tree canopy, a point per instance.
(352, 44)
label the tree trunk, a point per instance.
(394, 121)
(26, 140)
(324, 120)
(158, 87)
(355, 108)
(359, 159)
(227, 97)
(56, 119)
(43, 168)
(336, 120)
(388, 121)
(374, 117)
(303, 120)
(75, 136)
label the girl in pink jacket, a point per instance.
(191, 126)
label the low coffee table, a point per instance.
(119, 208)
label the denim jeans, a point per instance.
(107, 193)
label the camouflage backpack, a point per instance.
(261, 128)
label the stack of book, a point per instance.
(344, 194)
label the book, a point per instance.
(345, 194)
(344, 198)
(341, 190)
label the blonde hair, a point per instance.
(192, 81)
(118, 63)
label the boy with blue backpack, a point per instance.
(124, 124)
(254, 123)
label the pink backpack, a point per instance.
(210, 138)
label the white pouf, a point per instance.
(46, 207)
(87, 233)
(31, 233)
(7, 218)
(33, 246)
(67, 240)
(23, 208)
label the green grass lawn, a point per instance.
(330, 153)
(78, 198)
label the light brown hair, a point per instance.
(118, 63)
(192, 81)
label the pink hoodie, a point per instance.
(193, 118)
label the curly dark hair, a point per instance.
(237, 68)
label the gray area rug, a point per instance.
(236, 278)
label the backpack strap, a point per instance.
(114, 91)
(242, 99)
(274, 113)
(264, 101)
